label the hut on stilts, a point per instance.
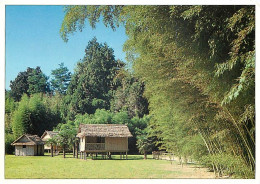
(103, 139)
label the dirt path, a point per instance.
(188, 171)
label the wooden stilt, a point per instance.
(126, 155)
(77, 156)
(120, 155)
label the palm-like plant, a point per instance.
(51, 142)
(144, 143)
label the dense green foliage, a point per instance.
(29, 82)
(101, 91)
(91, 84)
(60, 80)
(35, 115)
(198, 64)
(128, 95)
(135, 124)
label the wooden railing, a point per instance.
(95, 146)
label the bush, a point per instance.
(229, 164)
(9, 139)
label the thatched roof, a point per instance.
(103, 130)
(50, 133)
(28, 139)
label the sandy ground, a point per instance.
(189, 171)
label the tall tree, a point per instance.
(128, 96)
(38, 82)
(61, 78)
(34, 115)
(29, 82)
(91, 84)
(21, 117)
(10, 106)
(66, 136)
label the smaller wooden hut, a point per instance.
(46, 136)
(28, 145)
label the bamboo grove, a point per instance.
(198, 65)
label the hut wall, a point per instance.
(82, 143)
(18, 150)
(45, 138)
(116, 143)
(27, 151)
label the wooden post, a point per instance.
(85, 155)
(126, 155)
(64, 151)
(120, 155)
(51, 150)
(73, 150)
(77, 156)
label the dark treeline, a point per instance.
(198, 65)
(101, 90)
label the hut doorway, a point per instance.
(24, 150)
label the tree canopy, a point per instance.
(91, 84)
(29, 82)
(60, 80)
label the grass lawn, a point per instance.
(134, 167)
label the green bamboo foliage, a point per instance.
(198, 65)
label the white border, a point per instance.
(118, 2)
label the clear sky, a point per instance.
(33, 39)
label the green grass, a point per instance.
(58, 167)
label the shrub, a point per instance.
(9, 139)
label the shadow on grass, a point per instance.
(99, 157)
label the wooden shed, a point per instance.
(98, 138)
(47, 135)
(28, 145)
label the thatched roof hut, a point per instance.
(95, 138)
(50, 134)
(103, 130)
(28, 145)
(46, 136)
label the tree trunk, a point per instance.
(77, 154)
(145, 156)
(73, 150)
(51, 150)
(63, 151)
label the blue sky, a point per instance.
(33, 39)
